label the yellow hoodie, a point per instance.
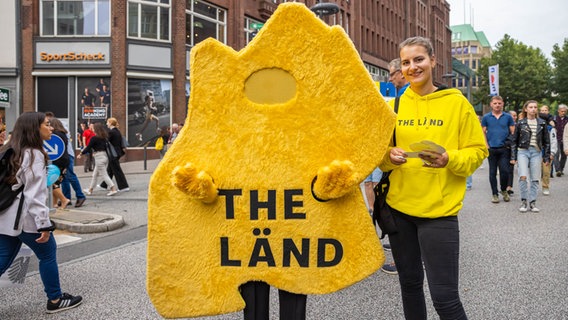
(448, 119)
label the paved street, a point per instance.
(513, 265)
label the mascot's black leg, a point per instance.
(256, 295)
(292, 305)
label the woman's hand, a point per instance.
(44, 237)
(433, 159)
(397, 156)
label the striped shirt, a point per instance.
(533, 124)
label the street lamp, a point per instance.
(325, 9)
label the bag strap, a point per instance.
(396, 103)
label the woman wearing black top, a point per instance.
(114, 169)
(97, 146)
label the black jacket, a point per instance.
(522, 138)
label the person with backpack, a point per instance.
(26, 220)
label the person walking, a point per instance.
(530, 141)
(70, 180)
(88, 133)
(31, 225)
(510, 181)
(60, 201)
(426, 193)
(114, 169)
(561, 120)
(97, 146)
(497, 126)
(546, 167)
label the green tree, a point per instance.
(560, 79)
(524, 74)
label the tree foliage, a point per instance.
(524, 74)
(560, 79)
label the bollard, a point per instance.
(145, 156)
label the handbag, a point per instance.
(382, 214)
(111, 151)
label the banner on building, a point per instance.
(494, 80)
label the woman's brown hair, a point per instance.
(26, 135)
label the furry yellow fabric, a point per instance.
(232, 199)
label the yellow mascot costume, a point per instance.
(262, 182)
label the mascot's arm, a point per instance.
(334, 181)
(198, 184)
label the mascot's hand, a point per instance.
(197, 184)
(335, 180)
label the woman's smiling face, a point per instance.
(416, 65)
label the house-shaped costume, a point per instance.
(235, 198)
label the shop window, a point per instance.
(204, 20)
(94, 96)
(75, 18)
(149, 115)
(149, 19)
(52, 95)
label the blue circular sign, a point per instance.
(54, 147)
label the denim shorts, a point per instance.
(375, 176)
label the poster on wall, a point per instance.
(93, 99)
(148, 110)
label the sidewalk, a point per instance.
(93, 216)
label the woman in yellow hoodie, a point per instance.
(427, 188)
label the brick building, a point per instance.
(60, 52)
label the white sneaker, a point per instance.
(545, 191)
(533, 207)
(524, 206)
(112, 193)
(124, 190)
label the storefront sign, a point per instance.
(94, 113)
(72, 53)
(4, 95)
(71, 56)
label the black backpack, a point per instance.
(8, 195)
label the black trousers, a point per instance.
(114, 170)
(256, 295)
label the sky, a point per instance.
(536, 23)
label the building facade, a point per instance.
(469, 47)
(90, 60)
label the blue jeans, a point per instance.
(499, 158)
(71, 178)
(435, 242)
(45, 252)
(468, 182)
(529, 166)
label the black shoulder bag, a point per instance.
(382, 215)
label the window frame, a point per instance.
(57, 3)
(160, 5)
(191, 14)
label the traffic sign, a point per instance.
(55, 147)
(256, 25)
